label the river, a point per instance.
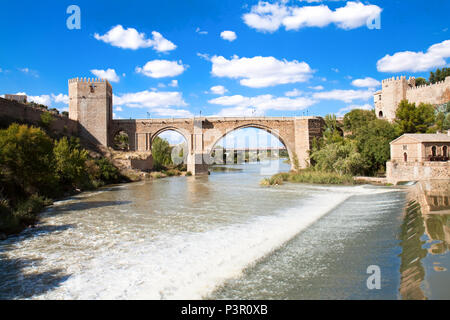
(217, 237)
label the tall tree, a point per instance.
(412, 119)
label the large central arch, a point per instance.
(266, 128)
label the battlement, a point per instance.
(89, 80)
(432, 85)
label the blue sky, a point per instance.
(172, 59)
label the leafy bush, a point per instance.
(27, 210)
(46, 119)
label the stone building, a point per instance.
(419, 157)
(16, 97)
(397, 89)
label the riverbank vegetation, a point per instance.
(36, 167)
(168, 161)
(359, 145)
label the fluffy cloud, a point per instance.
(44, 99)
(48, 99)
(317, 88)
(132, 39)
(366, 83)
(228, 35)
(269, 17)
(161, 69)
(293, 93)
(416, 61)
(218, 90)
(60, 98)
(260, 104)
(159, 103)
(344, 110)
(259, 72)
(173, 83)
(109, 74)
(344, 95)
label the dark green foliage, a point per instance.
(421, 81)
(439, 75)
(46, 119)
(161, 152)
(26, 158)
(107, 172)
(358, 118)
(35, 168)
(373, 145)
(412, 119)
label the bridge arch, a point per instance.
(185, 133)
(273, 131)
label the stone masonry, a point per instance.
(90, 105)
(397, 89)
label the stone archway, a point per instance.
(274, 132)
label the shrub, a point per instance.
(46, 119)
(27, 210)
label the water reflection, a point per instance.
(425, 241)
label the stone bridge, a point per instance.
(90, 103)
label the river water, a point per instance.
(217, 237)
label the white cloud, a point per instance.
(161, 68)
(44, 99)
(48, 99)
(132, 39)
(293, 93)
(118, 109)
(109, 74)
(345, 95)
(60, 98)
(416, 61)
(318, 88)
(366, 83)
(258, 105)
(259, 72)
(159, 103)
(173, 83)
(344, 110)
(201, 31)
(269, 17)
(228, 35)
(218, 90)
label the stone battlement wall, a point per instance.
(11, 111)
(437, 93)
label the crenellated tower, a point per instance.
(90, 103)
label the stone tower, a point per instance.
(393, 91)
(90, 103)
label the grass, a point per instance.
(308, 176)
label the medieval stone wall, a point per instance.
(11, 111)
(397, 89)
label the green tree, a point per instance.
(161, 152)
(46, 119)
(70, 162)
(341, 157)
(26, 158)
(373, 144)
(439, 75)
(412, 119)
(421, 81)
(358, 118)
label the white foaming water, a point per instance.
(190, 265)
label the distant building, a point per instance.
(419, 157)
(397, 89)
(16, 97)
